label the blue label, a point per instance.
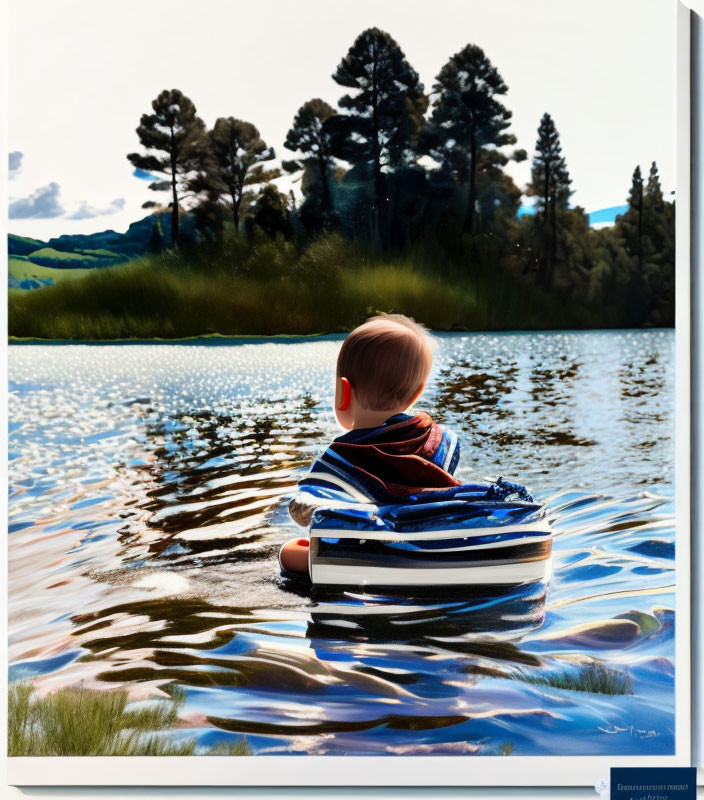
(653, 783)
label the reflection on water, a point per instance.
(148, 492)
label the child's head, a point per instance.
(385, 363)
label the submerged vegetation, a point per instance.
(594, 677)
(81, 722)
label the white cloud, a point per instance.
(15, 163)
(85, 211)
(41, 204)
(44, 203)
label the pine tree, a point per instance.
(384, 113)
(234, 159)
(310, 136)
(175, 130)
(653, 190)
(647, 230)
(633, 218)
(550, 180)
(468, 122)
(550, 184)
(653, 209)
(658, 219)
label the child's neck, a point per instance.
(368, 418)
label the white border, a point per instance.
(697, 361)
(683, 407)
(437, 770)
(523, 771)
(4, 178)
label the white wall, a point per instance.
(697, 262)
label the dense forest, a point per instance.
(395, 177)
(395, 167)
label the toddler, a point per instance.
(387, 453)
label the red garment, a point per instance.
(398, 457)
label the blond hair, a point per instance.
(386, 359)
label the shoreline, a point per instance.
(293, 338)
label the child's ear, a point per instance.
(345, 395)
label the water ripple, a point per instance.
(148, 493)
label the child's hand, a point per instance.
(301, 512)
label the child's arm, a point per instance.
(305, 502)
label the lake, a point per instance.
(148, 499)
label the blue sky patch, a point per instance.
(606, 214)
(599, 217)
(143, 175)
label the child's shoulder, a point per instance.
(436, 443)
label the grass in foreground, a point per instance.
(265, 288)
(595, 678)
(80, 722)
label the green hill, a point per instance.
(24, 274)
(49, 254)
(102, 252)
(22, 245)
(36, 263)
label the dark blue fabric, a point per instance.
(360, 435)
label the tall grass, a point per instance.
(268, 287)
(79, 722)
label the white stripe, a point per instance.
(470, 547)
(450, 450)
(326, 476)
(311, 499)
(448, 533)
(341, 610)
(520, 572)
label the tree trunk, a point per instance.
(174, 194)
(236, 190)
(236, 200)
(471, 212)
(640, 232)
(545, 256)
(553, 242)
(379, 198)
(174, 212)
(327, 200)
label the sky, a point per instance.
(82, 73)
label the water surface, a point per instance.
(148, 493)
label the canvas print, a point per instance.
(342, 379)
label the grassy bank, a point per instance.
(79, 722)
(268, 287)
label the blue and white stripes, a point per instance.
(474, 534)
(333, 472)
